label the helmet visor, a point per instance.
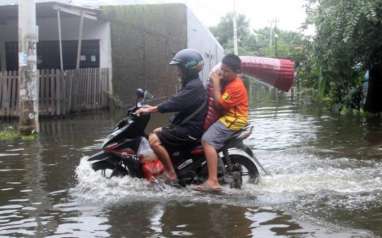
(174, 62)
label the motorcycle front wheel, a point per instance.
(109, 165)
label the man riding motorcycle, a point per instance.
(190, 105)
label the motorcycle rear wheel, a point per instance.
(244, 171)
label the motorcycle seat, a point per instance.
(198, 150)
(238, 137)
(230, 142)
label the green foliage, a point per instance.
(287, 44)
(224, 32)
(11, 134)
(348, 41)
(8, 134)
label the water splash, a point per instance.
(93, 186)
(294, 178)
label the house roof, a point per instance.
(49, 9)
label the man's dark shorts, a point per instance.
(176, 138)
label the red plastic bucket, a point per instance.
(278, 73)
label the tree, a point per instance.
(256, 42)
(349, 34)
(224, 32)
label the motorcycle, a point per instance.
(121, 155)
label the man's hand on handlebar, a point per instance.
(146, 109)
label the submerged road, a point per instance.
(326, 181)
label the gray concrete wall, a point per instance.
(143, 39)
(3, 66)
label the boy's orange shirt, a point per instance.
(234, 101)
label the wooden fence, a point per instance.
(60, 92)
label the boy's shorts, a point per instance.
(217, 134)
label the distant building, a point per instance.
(135, 42)
(95, 38)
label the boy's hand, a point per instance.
(216, 76)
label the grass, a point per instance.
(11, 134)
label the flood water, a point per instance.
(325, 181)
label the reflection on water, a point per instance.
(325, 181)
(36, 176)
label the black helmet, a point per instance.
(140, 93)
(189, 60)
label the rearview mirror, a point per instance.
(142, 97)
(148, 96)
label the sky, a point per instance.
(289, 13)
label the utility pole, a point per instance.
(276, 35)
(273, 36)
(276, 38)
(235, 47)
(28, 74)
